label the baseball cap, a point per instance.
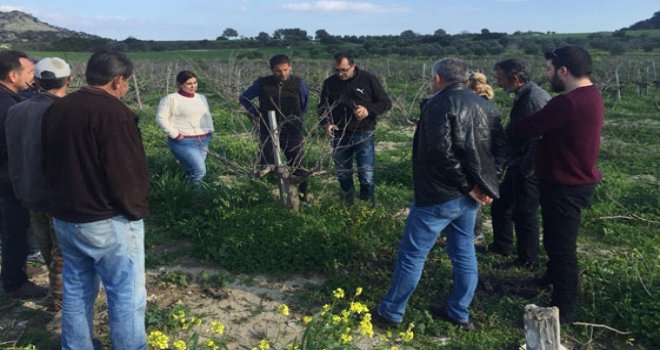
(51, 68)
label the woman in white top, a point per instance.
(186, 118)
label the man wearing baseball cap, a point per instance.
(24, 150)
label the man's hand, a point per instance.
(479, 196)
(361, 112)
(330, 129)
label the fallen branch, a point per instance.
(601, 326)
(628, 217)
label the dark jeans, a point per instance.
(561, 206)
(291, 142)
(347, 145)
(16, 220)
(517, 206)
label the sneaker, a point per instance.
(29, 290)
(381, 322)
(439, 311)
(36, 258)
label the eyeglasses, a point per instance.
(343, 70)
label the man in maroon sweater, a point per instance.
(568, 131)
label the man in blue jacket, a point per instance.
(287, 95)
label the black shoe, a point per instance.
(29, 290)
(492, 248)
(543, 282)
(439, 311)
(520, 264)
(381, 322)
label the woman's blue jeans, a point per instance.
(191, 153)
(423, 227)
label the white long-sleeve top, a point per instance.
(178, 114)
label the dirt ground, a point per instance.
(248, 306)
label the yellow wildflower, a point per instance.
(408, 335)
(358, 291)
(179, 315)
(394, 348)
(264, 345)
(283, 309)
(338, 293)
(212, 345)
(346, 338)
(359, 308)
(307, 319)
(158, 340)
(217, 327)
(179, 345)
(335, 319)
(366, 328)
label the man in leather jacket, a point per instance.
(453, 173)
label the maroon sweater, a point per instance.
(569, 129)
(94, 159)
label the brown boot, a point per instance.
(29, 290)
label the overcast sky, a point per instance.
(207, 19)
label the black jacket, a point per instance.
(94, 160)
(8, 98)
(452, 148)
(24, 150)
(340, 97)
(530, 98)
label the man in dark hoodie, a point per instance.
(16, 75)
(351, 102)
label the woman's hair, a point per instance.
(184, 75)
(478, 83)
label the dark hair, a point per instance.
(279, 59)
(10, 60)
(184, 75)
(340, 56)
(513, 67)
(576, 59)
(106, 64)
(451, 69)
(50, 84)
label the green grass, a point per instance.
(233, 223)
(237, 223)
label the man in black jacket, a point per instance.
(350, 104)
(453, 173)
(16, 74)
(519, 201)
(287, 95)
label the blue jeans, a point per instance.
(423, 226)
(191, 153)
(358, 144)
(111, 251)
